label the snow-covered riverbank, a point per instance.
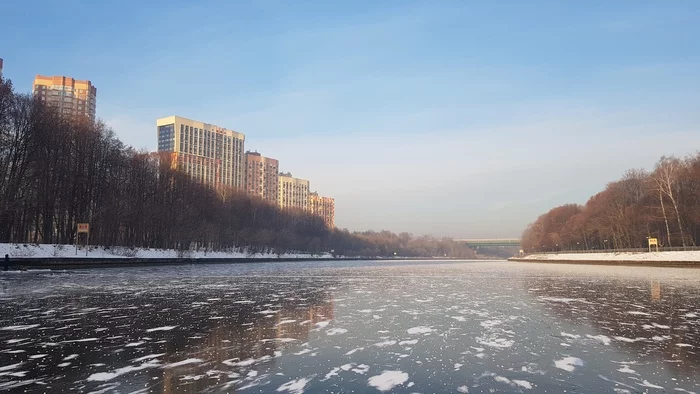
(18, 251)
(682, 256)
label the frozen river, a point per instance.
(413, 327)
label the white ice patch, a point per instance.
(336, 331)
(601, 338)
(691, 314)
(628, 340)
(495, 342)
(9, 367)
(522, 383)
(638, 313)
(353, 351)
(361, 369)
(246, 363)
(19, 328)
(184, 362)
(148, 357)
(70, 357)
(646, 383)
(420, 330)
(626, 369)
(164, 328)
(463, 389)
(684, 345)
(558, 299)
(134, 344)
(294, 386)
(459, 318)
(569, 363)
(387, 380)
(572, 336)
(35, 356)
(322, 324)
(409, 342)
(490, 323)
(286, 322)
(105, 376)
(385, 343)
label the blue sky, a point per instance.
(466, 119)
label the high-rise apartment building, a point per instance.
(0, 67)
(208, 153)
(70, 96)
(262, 176)
(292, 192)
(323, 207)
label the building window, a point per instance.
(166, 138)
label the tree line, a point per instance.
(663, 204)
(56, 172)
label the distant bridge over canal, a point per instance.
(488, 243)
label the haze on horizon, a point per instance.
(455, 119)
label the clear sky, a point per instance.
(457, 118)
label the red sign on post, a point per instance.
(83, 228)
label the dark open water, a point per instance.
(424, 327)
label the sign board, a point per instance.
(653, 242)
(83, 228)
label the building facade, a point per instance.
(292, 192)
(0, 67)
(210, 154)
(72, 97)
(323, 207)
(262, 176)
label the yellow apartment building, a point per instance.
(71, 97)
(323, 207)
(292, 192)
(210, 154)
(262, 176)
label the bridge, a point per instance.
(485, 243)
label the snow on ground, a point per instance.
(47, 251)
(620, 256)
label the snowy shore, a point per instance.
(20, 251)
(676, 256)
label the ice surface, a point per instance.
(520, 327)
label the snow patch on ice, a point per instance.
(164, 328)
(294, 386)
(568, 363)
(387, 380)
(184, 362)
(420, 330)
(336, 331)
(602, 338)
(105, 376)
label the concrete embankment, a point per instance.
(648, 259)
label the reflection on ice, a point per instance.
(360, 326)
